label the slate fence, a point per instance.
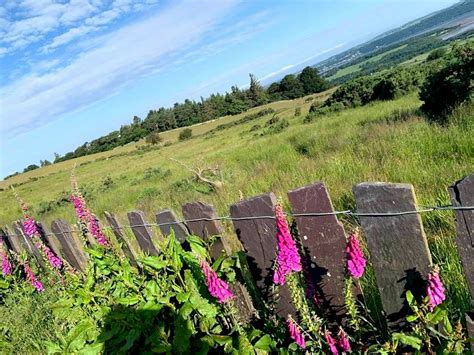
(387, 212)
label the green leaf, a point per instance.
(183, 330)
(264, 343)
(198, 246)
(153, 262)
(409, 297)
(245, 347)
(409, 340)
(182, 297)
(412, 318)
(128, 301)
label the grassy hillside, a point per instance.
(360, 144)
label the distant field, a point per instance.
(357, 67)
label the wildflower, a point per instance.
(331, 343)
(288, 259)
(355, 258)
(54, 261)
(217, 287)
(6, 266)
(295, 333)
(435, 290)
(96, 232)
(343, 341)
(79, 206)
(29, 226)
(32, 278)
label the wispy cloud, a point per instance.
(117, 59)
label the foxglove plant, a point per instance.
(31, 230)
(435, 290)
(355, 257)
(85, 216)
(6, 265)
(288, 259)
(217, 287)
(295, 332)
(343, 342)
(32, 278)
(331, 343)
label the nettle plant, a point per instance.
(182, 302)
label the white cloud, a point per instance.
(130, 52)
(68, 36)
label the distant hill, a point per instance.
(456, 19)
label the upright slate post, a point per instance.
(125, 245)
(462, 195)
(324, 241)
(168, 221)
(27, 243)
(142, 232)
(73, 250)
(207, 226)
(12, 240)
(258, 237)
(397, 244)
(50, 239)
(214, 227)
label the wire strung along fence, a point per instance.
(387, 212)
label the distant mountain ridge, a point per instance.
(454, 18)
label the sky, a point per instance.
(73, 70)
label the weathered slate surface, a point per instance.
(27, 243)
(324, 241)
(72, 250)
(169, 221)
(206, 228)
(397, 244)
(50, 239)
(12, 240)
(118, 232)
(462, 194)
(258, 237)
(142, 232)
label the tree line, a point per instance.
(190, 112)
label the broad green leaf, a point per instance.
(128, 301)
(410, 340)
(153, 262)
(264, 343)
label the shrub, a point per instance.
(153, 138)
(185, 134)
(436, 54)
(449, 86)
(297, 111)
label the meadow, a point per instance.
(275, 150)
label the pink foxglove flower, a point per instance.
(6, 266)
(217, 287)
(96, 232)
(355, 258)
(29, 226)
(331, 343)
(79, 206)
(295, 333)
(343, 341)
(288, 259)
(435, 290)
(54, 261)
(32, 278)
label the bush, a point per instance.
(185, 134)
(436, 54)
(153, 138)
(449, 86)
(297, 111)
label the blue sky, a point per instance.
(73, 70)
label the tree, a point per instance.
(437, 53)
(153, 138)
(311, 80)
(256, 93)
(56, 157)
(450, 86)
(291, 87)
(45, 162)
(30, 167)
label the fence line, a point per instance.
(289, 214)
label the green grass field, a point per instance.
(382, 141)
